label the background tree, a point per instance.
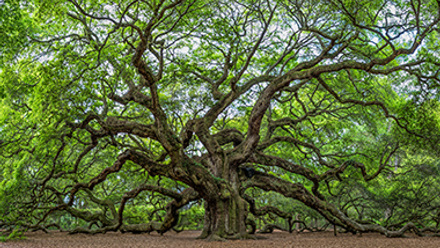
(121, 116)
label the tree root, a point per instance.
(215, 237)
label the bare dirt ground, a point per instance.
(187, 239)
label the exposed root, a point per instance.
(215, 237)
(203, 235)
(242, 236)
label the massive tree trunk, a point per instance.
(225, 219)
(225, 211)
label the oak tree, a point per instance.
(164, 104)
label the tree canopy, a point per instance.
(141, 116)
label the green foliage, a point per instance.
(16, 24)
(16, 234)
(82, 83)
(192, 218)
